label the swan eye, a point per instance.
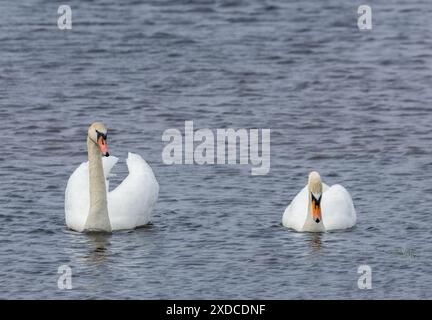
(103, 135)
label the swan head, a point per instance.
(98, 133)
(315, 191)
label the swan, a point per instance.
(319, 208)
(89, 206)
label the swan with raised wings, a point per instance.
(89, 206)
(319, 208)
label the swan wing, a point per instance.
(337, 208)
(77, 195)
(131, 203)
(296, 213)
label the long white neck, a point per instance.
(98, 219)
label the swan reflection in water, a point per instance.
(98, 247)
(315, 241)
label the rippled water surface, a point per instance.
(354, 105)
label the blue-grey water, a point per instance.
(354, 105)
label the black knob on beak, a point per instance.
(317, 220)
(107, 154)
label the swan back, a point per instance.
(295, 214)
(338, 208)
(131, 203)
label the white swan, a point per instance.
(318, 208)
(89, 206)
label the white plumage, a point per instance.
(337, 210)
(129, 205)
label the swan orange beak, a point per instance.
(316, 208)
(103, 146)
